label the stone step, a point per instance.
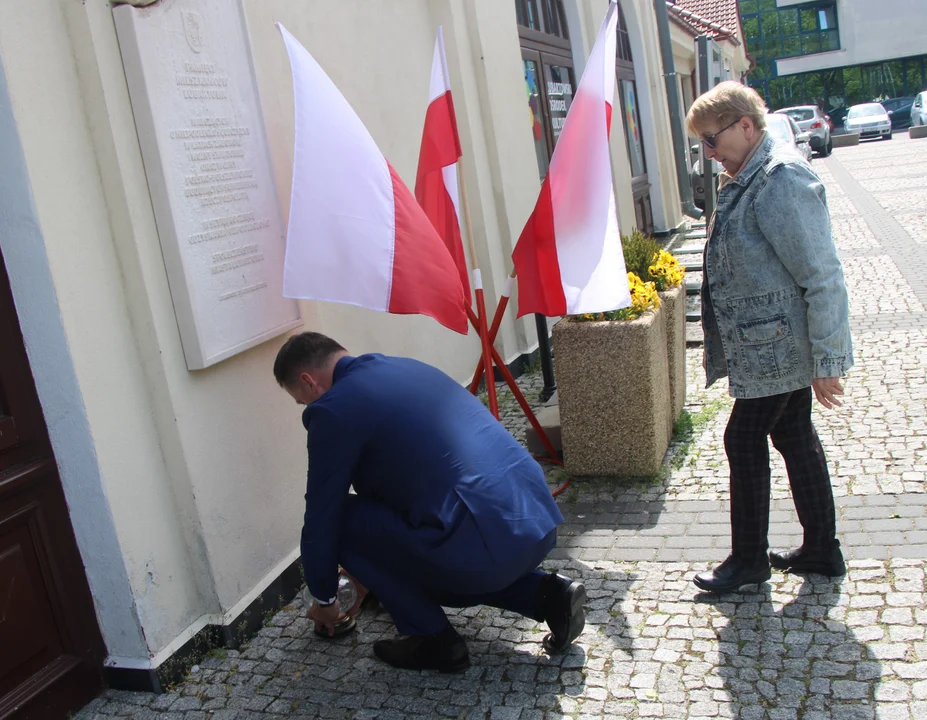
(549, 419)
(694, 334)
(689, 249)
(693, 305)
(693, 309)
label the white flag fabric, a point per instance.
(356, 234)
(569, 258)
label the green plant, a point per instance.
(639, 252)
(689, 426)
(644, 257)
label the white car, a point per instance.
(919, 110)
(784, 129)
(869, 120)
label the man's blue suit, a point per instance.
(449, 509)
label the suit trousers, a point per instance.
(786, 418)
(414, 571)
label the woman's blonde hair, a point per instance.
(725, 103)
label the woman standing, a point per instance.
(776, 322)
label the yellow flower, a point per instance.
(644, 297)
(666, 270)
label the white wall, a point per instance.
(651, 88)
(201, 474)
(156, 528)
(869, 32)
(23, 250)
(186, 487)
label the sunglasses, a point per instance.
(709, 140)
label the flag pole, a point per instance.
(478, 290)
(494, 329)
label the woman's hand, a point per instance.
(826, 391)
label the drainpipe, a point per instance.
(681, 151)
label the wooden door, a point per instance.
(51, 651)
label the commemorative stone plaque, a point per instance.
(194, 96)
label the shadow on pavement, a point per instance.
(782, 653)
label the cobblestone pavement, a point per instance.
(653, 646)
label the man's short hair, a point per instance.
(306, 351)
(725, 103)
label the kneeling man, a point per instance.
(449, 509)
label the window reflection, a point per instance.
(536, 116)
(632, 127)
(559, 96)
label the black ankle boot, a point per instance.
(827, 562)
(445, 651)
(732, 573)
(560, 604)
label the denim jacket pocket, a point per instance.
(767, 347)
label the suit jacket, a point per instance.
(409, 437)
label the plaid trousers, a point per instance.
(785, 418)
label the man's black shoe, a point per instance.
(445, 651)
(823, 562)
(732, 573)
(560, 602)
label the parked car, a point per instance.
(785, 129)
(696, 179)
(781, 127)
(811, 119)
(919, 109)
(899, 110)
(869, 120)
(838, 116)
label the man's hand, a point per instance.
(325, 616)
(826, 390)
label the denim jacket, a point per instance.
(774, 303)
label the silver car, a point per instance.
(811, 119)
(869, 120)
(784, 129)
(781, 127)
(919, 110)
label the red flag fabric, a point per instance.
(356, 234)
(436, 180)
(568, 257)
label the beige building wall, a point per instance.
(204, 472)
(654, 110)
(686, 65)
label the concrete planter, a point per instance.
(845, 140)
(673, 303)
(613, 384)
(917, 132)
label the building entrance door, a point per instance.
(51, 651)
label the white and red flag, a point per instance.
(436, 179)
(356, 235)
(568, 258)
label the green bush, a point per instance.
(639, 252)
